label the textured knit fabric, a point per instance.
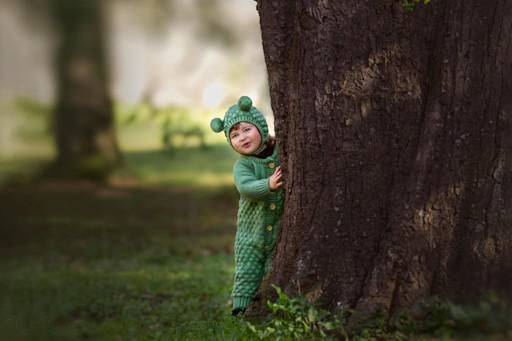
(258, 223)
(243, 111)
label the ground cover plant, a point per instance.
(430, 319)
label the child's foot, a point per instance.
(237, 311)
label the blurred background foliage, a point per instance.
(170, 67)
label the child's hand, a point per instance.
(274, 182)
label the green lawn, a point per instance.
(148, 256)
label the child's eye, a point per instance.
(234, 136)
(247, 129)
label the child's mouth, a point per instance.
(247, 144)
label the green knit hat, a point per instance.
(243, 111)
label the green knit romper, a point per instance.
(258, 223)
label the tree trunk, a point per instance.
(395, 141)
(85, 133)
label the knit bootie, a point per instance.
(237, 311)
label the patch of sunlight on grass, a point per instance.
(210, 166)
(139, 138)
(192, 178)
(143, 274)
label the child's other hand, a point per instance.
(274, 182)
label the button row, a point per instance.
(272, 207)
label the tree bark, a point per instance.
(395, 142)
(85, 133)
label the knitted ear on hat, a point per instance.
(217, 125)
(245, 103)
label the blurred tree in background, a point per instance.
(85, 133)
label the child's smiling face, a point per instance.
(245, 138)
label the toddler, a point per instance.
(258, 179)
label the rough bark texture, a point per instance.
(395, 140)
(84, 115)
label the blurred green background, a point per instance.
(144, 251)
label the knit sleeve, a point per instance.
(248, 185)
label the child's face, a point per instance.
(245, 138)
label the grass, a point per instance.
(149, 256)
